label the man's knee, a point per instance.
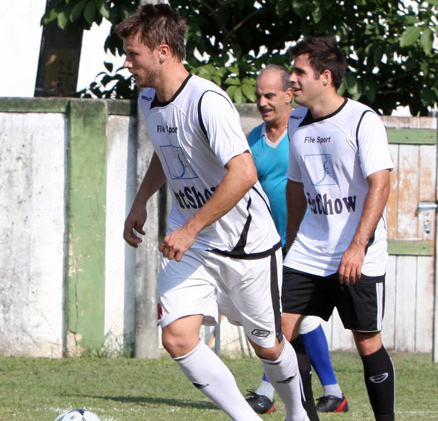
(367, 343)
(270, 354)
(290, 324)
(181, 336)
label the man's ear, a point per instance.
(290, 94)
(163, 52)
(326, 77)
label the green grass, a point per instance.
(128, 389)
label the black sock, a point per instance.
(379, 377)
(310, 408)
(306, 378)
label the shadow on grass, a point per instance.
(144, 401)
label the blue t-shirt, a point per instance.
(272, 161)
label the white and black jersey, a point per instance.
(332, 157)
(194, 135)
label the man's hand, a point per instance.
(350, 268)
(177, 243)
(135, 221)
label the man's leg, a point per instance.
(281, 368)
(379, 374)
(315, 341)
(204, 368)
(290, 326)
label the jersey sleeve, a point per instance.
(221, 124)
(372, 142)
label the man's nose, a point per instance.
(127, 64)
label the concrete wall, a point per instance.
(69, 170)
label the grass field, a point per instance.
(128, 389)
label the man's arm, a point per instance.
(296, 209)
(240, 177)
(152, 181)
(350, 268)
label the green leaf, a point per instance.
(410, 36)
(412, 20)
(77, 9)
(62, 20)
(90, 12)
(249, 92)
(341, 90)
(233, 69)
(248, 81)
(350, 81)
(317, 14)
(104, 10)
(217, 80)
(49, 17)
(353, 86)
(377, 56)
(238, 95)
(232, 81)
(237, 51)
(427, 40)
(370, 92)
(230, 91)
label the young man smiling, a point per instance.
(339, 171)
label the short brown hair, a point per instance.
(157, 24)
(324, 54)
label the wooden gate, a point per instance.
(410, 282)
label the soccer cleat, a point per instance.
(332, 404)
(260, 403)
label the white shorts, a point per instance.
(246, 291)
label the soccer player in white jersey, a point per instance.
(339, 171)
(222, 251)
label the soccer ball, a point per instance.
(77, 415)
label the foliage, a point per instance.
(391, 45)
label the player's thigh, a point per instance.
(305, 294)
(187, 288)
(250, 297)
(361, 306)
(308, 324)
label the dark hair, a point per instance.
(156, 24)
(283, 73)
(324, 54)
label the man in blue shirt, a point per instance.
(269, 144)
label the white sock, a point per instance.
(266, 389)
(285, 377)
(213, 378)
(332, 390)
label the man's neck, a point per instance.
(326, 105)
(170, 81)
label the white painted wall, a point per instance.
(32, 232)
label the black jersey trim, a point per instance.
(201, 120)
(308, 119)
(157, 103)
(358, 125)
(244, 256)
(241, 243)
(261, 196)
